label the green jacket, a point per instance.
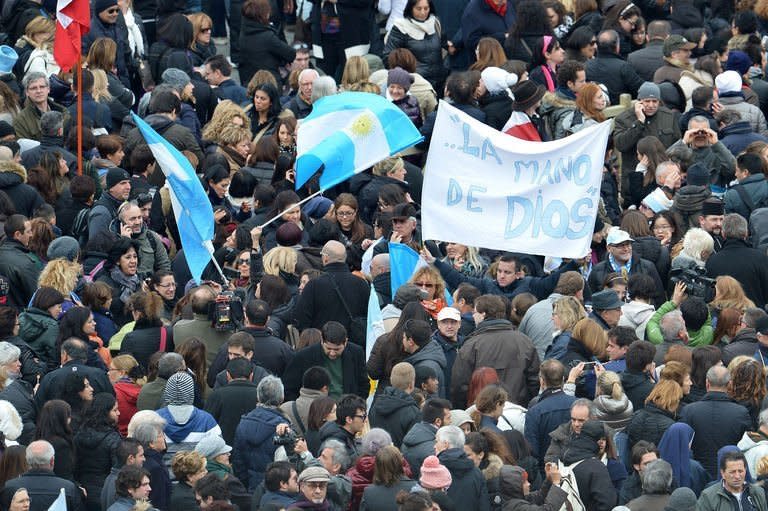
(701, 337)
(715, 498)
(40, 330)
(27, 122)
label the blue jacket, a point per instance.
(97, 112)
(479, 21)
(553, 409)
(253, 449)
(737, 136)
(228, 89)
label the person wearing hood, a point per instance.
(253, 447)
(164, 109)
(394, 410)
(639, 310)
(515, 490)
(592, 477)
(751, 192)
(736, 134)
(422, 350)
(185, 424)
(731, 95)
(98, 437)
(675, 448)
(468, 489)
(497, 100)
(754, 444)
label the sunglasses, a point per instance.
(113, 11)
(244, 261)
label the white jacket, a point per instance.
(636, 315)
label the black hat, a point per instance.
(697, 175)
(116, 175)
(404, 210)
(593, 429)
(761, 325)
(606, 300)
(712, 207)
(6, 129)
(526, 93)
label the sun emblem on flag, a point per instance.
(362, 126)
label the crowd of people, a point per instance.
(632, 378)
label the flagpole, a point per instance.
(289, 209)
(216, 264)
(80, 115)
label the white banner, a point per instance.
(484, 188)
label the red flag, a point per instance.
(73, 21)
(519, 125)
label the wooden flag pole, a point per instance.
(80, 115)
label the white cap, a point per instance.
(449, 313)
(616, 236)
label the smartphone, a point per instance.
(589, 365)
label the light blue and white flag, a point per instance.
(403, 263)
(349, 132)
(191, 207)
(60, 504)
(375, 326)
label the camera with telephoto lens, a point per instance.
(227, 312)
(287, 440)
(697, 284)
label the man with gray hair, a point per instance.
(673, 331)
(657, 487)
(323, 86)
(27, 122)
(717, 419)
(337, 295)
(151, 395)
(301, 103)
(42, 485)
(51, 141)
(254, 448)
(468, 489)
(709, 151)
(154, 257)
(745, 341)
(151, 436)
(17, 391)
(336, 460)
(754, 444)
(739, 260)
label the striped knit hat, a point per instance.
(179, 390)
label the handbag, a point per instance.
(145, 74)
(358, 325)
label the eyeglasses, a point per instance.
(428, 285)
(593, 42)
(244, 261)
(361, 417)
(165, 286)
(345, 214)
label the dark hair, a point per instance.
(274, 97)
(531, 18)
(212, 485)
(640, 449)
(129, 478)
(318, 411)
(257, 10)
(434, 409)
(119, 248)
(568, 72)
(96, 416)
(410, 4)
(492, 306)
(334, 333)
(14, 224)
(215, 173)
(348, 406)
(467, 292)
(732, 456)
(47, 297)
(75, 349)
(746, 22)
(623, 336)
(702, 359)
(69, 392)
(413, 501)
(220, 62)
(539, 48)
(243, 184)
(276, 473)
(391, 195)
(8, 317)
(639, 355)
(127, 447)
(580, 38)
(13, 463)
(257, 312)
(701, 96)
(751, 162)
(274, 291)
(53, 421)
(239, 368)
(71, 324)
(141, 158)
(163, 101)
(177, 31)
(403, 57)
(315, 378)
(418, 331)
(82, 187)
(641, 286)
(695, 313)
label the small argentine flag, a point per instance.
(191, 207)
(60, 504)
(349, 132)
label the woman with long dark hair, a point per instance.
(531, 24)
(355, 231)
(263, 110)
(13, 463)
(650, 152)
(581, 45)
(488, 451)
(547, 56)
(122, 276)
(623, 17)
(78, 322)
(77, 392)
(322, 410)
(54, 424)
(148, 335)
(98, 437)
(286, 201)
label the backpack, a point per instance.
(79, 229)
(568, 484)
(91, 277)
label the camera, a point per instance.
(697, 284)
(288, 441)
(226, 312)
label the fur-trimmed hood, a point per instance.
(493, 469)
(10, 421)
(15, 168)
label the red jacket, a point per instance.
(127, 393)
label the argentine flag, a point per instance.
(60, 504)
(347, 133)
(191, 207)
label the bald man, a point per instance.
(338, 295)
(381, 279)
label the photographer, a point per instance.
(695, 317)
(709, 151)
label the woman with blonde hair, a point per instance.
(678, 373)
(429, 279)
(126, 376)
(38, 41)
(489, 53)
(226, 113)
(102, 55)
(148, 335)
(202, 46)
(63, 276)
(489, 406)
(612, 406)
(280, 260)
(660, 411)
(234, 144)
(588, 343)
(10, 104)
(466, 260)
(729, 293)
(566, 312)
(100, 86)
(356, 71)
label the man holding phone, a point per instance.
(709, 151)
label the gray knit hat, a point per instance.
(682, 499)
(176, 78)
(179, 390)
(64, 247)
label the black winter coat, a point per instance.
(101, 447)
(118, 33)
(497, 107)
(159, 479)
(22, 268)
(639, 265)
(261, 48)
(428, 51)
(271, 353)
(394, 411)
(647, 60)
(636, 387)
(718, 421)
(468, 489)
(24, 198)
(615, 73)
(52, 383)
(368, 196)
(144, 341)
(229, 403)
(19, 394)
(592, 477)
(43, 488)
(355, 380)
(649, 424)
(744, 263)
